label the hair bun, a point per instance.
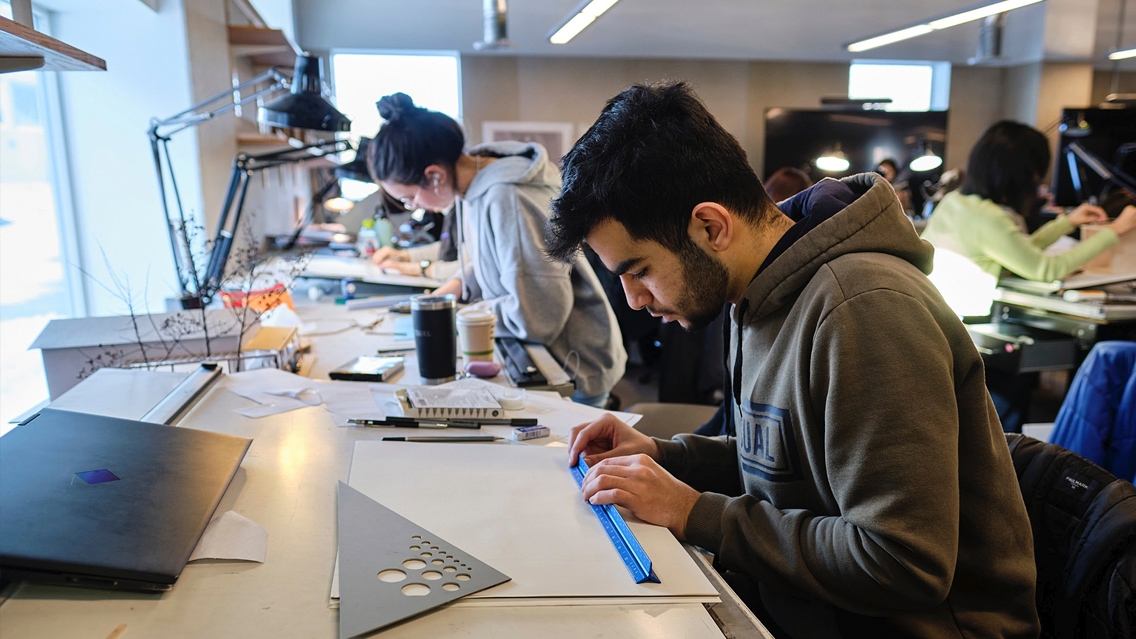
(395, 106)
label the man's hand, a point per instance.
(608, 437)
(1087, 214)
(640, 485)
(390, 253)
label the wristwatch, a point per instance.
(425, 264)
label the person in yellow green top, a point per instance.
(984, 220)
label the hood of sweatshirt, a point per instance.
(516, 163)
(858, 214)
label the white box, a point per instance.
(72, 349)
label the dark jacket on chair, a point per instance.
(1084, 526)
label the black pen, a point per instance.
(405, 422)
(443, 438)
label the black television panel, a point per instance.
(795, 138)
(1109, 137)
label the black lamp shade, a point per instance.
(356, 169)
(305, 107)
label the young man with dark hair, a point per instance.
(869, 490)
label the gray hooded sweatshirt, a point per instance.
(562, 306)
(869, 490)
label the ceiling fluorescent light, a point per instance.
(1122, 54)
(979, 13)
(954, 20)
(888, 38)
(579, 20)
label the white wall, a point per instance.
(106, 115)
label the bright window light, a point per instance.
(908, 85)
(432, 80)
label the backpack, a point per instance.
(1084, 528)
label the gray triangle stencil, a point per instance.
(391, 569)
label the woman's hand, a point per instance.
(406, 268)
(390, 253)
(1087, 214)
(1124, 222)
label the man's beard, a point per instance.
(705, 281)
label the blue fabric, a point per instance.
(1098, 417)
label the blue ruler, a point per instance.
(632, 554)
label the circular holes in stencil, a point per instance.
(392, 575)
(416, 547)
(416, 537)
(450, 569)
(437, 562)
(450, 587)
(462, 577)
(425, 554)
(414, 564)
(416, 590)
(432, 575)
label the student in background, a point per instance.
(786, 182)
(438, 260)
(501, 193)
(984, 221)
(869, 491)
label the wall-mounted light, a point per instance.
(584, 14)
(833, 160)
(925, 161)
(939, 24)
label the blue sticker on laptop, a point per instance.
(767, 444)
(100, 476)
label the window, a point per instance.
(433, 80)
(34, 212)
(912, 86)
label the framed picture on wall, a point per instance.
(555, 137)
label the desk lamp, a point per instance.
(304, 107)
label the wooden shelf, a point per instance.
(18, 41)
(263, 46)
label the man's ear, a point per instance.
(711, 226)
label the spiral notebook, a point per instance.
(449, 402)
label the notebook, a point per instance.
(448, 402)
(94, 501)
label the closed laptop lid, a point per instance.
(108, 498)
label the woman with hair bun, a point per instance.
(501, 194)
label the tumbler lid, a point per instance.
(432, 302)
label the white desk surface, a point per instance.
(287, 484)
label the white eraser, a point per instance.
(529, 432)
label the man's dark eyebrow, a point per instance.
(625, 265)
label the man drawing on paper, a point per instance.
(869, 490)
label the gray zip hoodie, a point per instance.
(536, 299)
(869, 491)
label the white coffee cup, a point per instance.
(475, 333)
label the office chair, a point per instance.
(1084, 528)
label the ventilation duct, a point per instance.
(494, 35)
(989, 39)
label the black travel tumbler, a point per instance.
(433, 318)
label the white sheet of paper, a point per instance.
(518, 509)
(232, 536)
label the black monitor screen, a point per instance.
(796, 138)
(1109, 138)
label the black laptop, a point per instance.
(94, 501)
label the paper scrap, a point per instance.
(232, 536)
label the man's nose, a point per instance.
(637, 295)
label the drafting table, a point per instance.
(287, 484)
(372, 278)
